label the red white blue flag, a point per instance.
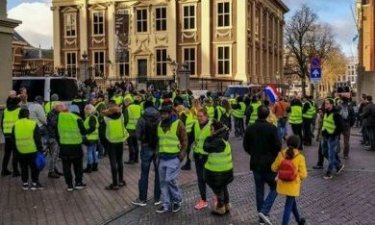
(271, 92)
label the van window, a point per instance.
(236, 91)
(34, 87)
(65, 88)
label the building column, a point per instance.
(206, 38)
(172, 33)
(83, 40)
(112, 72)
(261, 70)
(254, 69)
(267, 68)
(56, 37)
(241, 41)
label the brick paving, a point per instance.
(341, 201)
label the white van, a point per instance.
(241, 90)
(65, 87)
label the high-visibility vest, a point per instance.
(221, 111)
(24, 136)
(240, 113)
(329, 123)
(295, 116)
(94, 136)
(128, 97)
(118, 99)
(68, 130)
(210, 112)
(200, 136)
(189, 122)
(115, 130)
(134, 113)
(254, 113)
(48, 106)
(310, 112)
(10, 117)
(99, 104)
(168, 141)
(232, 101)
(220, 161)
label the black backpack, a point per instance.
(150, 133)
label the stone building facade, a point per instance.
(218, 40)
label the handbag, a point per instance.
(40, 161)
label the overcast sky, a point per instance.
(37, 19)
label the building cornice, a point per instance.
(8, 25)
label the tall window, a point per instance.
(189, 58)
(141, 20)
(70, 25)
(223, 60)
(98, 23)
(161, 62)
(161, 19)
(223, 14)
(71, 63)
(189, 17)
(99, 63)
(124, 69)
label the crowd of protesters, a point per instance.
(163, 127)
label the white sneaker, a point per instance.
(265, 218)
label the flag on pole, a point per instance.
(271, 92)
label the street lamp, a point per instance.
(84, 61)
(174, 66)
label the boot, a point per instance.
(187, 165)
(95, 167)
(219, 210)
(88, 169)
(227, 207)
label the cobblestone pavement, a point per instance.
(348, 199)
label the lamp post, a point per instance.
(84, 62)
(174, 66)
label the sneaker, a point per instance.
(139, 202)
(302, 221)
(70, 189)
(328, 176)
(265, 218)
(25, 186)
(201, 204)
(122, 183)
(5, 173)
(36, 186)
(339, 169)
(16, 174)
(176, 207)
(53, 175)
(112, 187)
(157, 202)
(317, 167)
(80, 186)
(162, 210)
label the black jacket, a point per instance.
(368, 115)
(262, 143)
(52, 124)
(147, 127)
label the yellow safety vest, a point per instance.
(200, 136)
(48, 106)
(254, 113)
(134, 113)
(68, 130)
(10, 117)
(24, 136)
(220, 162)
(94, 136)
(168, 141)
(115, 131)
(210, 112)
(310, 112)
(240, 113)
(295, 116)
(329, 123)
(118, 99)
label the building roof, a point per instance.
(18, 38)
(283, 6)
(38, 53)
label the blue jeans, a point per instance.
(281, 129)
(290, 206)
(169, 169)
(329, 145)
(100, 150)
(91, 154)
(148, 156)
(261, 178)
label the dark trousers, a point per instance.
(200, 160)
(148, 156)
(27, 163)
(297, 130)
(346, 134)
(188, 150)
(238, 127)
(370, 134)
(290, 206)
(222, 195)
(320, 155)
(307, 134)
(9, 151)
(262, 178)
(76, 163)
(115, 154)
(133, 147)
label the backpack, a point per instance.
(150, 135)
(287, 171)
(344, 111)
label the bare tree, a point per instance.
(305, 37)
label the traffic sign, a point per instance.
(315, 69)
(316, 73)
(315, 62)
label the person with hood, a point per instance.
(27, 141)
(132, 113)
(218, 170)
(116, 134)
(70, 130)
(91, 124)
(147, 134)
(172, 142)
(10, 116)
